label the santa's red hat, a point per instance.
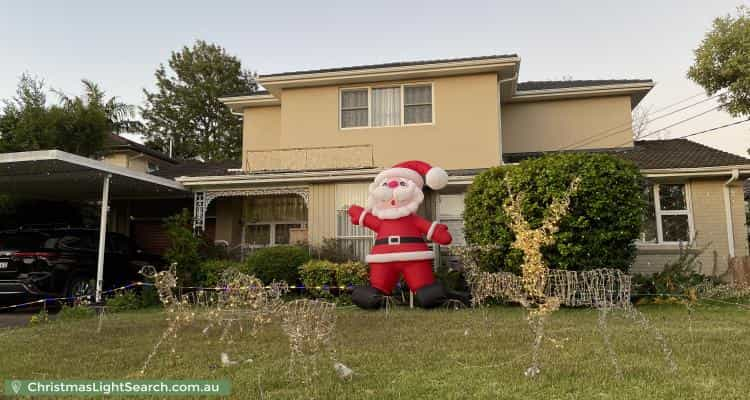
(417, 171)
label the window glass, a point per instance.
(282, 233)
(258, 235)
(675, 228)
(83, 241)
(672, 197)
(354, 111)
(386, 106)
(417, 104)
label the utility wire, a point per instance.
(716, 128)
(692, 117)
(628, 125)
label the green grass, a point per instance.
(415, 354)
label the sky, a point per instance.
(120, 44)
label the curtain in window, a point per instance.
(275, 208)
(417, 104)
(354, 108)
(386, 106)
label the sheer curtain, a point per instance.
(386, 106)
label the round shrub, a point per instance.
(599, 231)
(209, 271)
(277, 263)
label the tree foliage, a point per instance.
(604, 218)
(722, 62)
(76, 124)
(185, 106)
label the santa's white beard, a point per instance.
(386, 211)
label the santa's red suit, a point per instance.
(400, 248)
(402, 236)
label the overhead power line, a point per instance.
(716, 128)
(628, 125)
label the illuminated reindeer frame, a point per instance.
(243, 303)
(541, 291)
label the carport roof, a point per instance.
(58, 175)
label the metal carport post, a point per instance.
(102, 238)
(57, 175)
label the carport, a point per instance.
(58, 175)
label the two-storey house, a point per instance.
(313, 141)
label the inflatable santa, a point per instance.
(402, 236)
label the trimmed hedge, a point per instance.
(326, 273)
(277, 263)
(604, 218)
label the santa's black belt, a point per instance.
(399, 240)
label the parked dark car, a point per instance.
(62, 262)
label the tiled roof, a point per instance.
(544, 85)
(392, 65)
(662, 154)
(198, 168)
(646, 154)
(117, 142)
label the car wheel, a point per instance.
(80, 286)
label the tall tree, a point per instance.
(121, 115)
(28, 123)
(185, 107)
(722, 62)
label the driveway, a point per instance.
(14, 319)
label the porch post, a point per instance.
(199, 211)
(102, 238)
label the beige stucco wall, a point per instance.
(261, 129)
(554, 125)
(134, 161)
(464, 133)
(117, 159)
(709, 221)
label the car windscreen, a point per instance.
(22, 240)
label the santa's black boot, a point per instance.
(433, 295)
(367, 297)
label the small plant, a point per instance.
(677, 281)
(333, 250)
(149, 297)
(75, 312)
(124, 301)
(277, 263)
(184, 247)
(42, 317)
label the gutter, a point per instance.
(500, 113)
(728, 210)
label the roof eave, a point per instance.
(636, 91)
(239, 103)
(275, 84)
(743, 169)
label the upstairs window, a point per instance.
(386, 106)
(418, 104)
(354, 108)
(668, 217)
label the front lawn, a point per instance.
(415, 354)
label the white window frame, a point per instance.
(658, 212)
(369, 105)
